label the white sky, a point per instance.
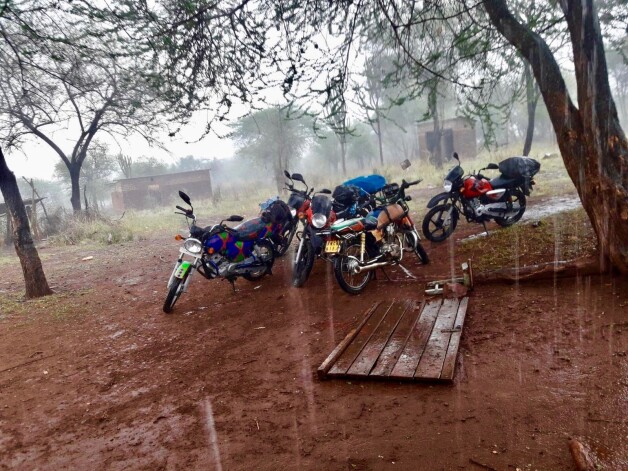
(37, 160)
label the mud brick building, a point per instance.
(458, 136)
(158, 190)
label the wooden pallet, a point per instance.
(401, 340)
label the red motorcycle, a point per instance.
(478, 199)
(317, 218)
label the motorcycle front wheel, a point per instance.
(440, 222)
(176, 288)
(303, 265)
(349, 281)
(517, 200)
(266, 253)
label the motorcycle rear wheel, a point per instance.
(267, 251)
(302, 267)
(285, 239)
(352, 283)
(434, 227)
(173, 294)
(517, 197)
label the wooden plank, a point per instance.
(419, 335)
(346, 359)
(370, 352)
(452, 350)
(431, 363)
(340, 348)
(389, 356)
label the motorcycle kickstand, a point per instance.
(232, 281)
(385, 274)
(485, 229)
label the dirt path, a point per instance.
(101, 379)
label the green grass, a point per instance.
(561, 237)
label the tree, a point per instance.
(34, 278)
(591, 140)
(97, 168)
(125, 164)
(272, 139)
(72, 69)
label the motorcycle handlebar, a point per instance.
(181, 209)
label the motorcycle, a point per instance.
(220, 251)
(352, 198)
(318, 215)
(359, 246)
(502, 199)
(298, 202)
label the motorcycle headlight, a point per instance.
(193, 246)
(293, 212)
(447, 185)
(319, 220)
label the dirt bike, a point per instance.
(502, 199)
(220, 251)
(359, 246)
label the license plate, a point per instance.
(332, 246)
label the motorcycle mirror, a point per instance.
(492, 166)
(285, 172)
(405, 164)
(325, 191)
(234, 218)
(455, 156)
(185, 197)
(298, 177)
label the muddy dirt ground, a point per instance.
(100, 378)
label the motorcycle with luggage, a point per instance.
(359, 246)
(348, 200)
(478, 199)
(220, 251)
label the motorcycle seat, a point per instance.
(370, 223)
(503, 182)
(249, 230)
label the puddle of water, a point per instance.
(551, 206)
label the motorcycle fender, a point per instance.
(315, 239)
(437, 199)
(182, 270)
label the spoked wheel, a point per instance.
(265, 253)
(176, 288)
(303, 265)
(285, 239)
(440, 222)
(518, 203)
(344, 270)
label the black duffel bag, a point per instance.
(517, 167)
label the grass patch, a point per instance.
(563, 236)
(58, 306)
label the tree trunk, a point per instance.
(343, 153)
(75, 199)
(379, 138)
(532, 98)
(437, 155)
(34, 278)
(590, 138)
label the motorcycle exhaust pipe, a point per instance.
(373, 266)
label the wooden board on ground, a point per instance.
(401, 340)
